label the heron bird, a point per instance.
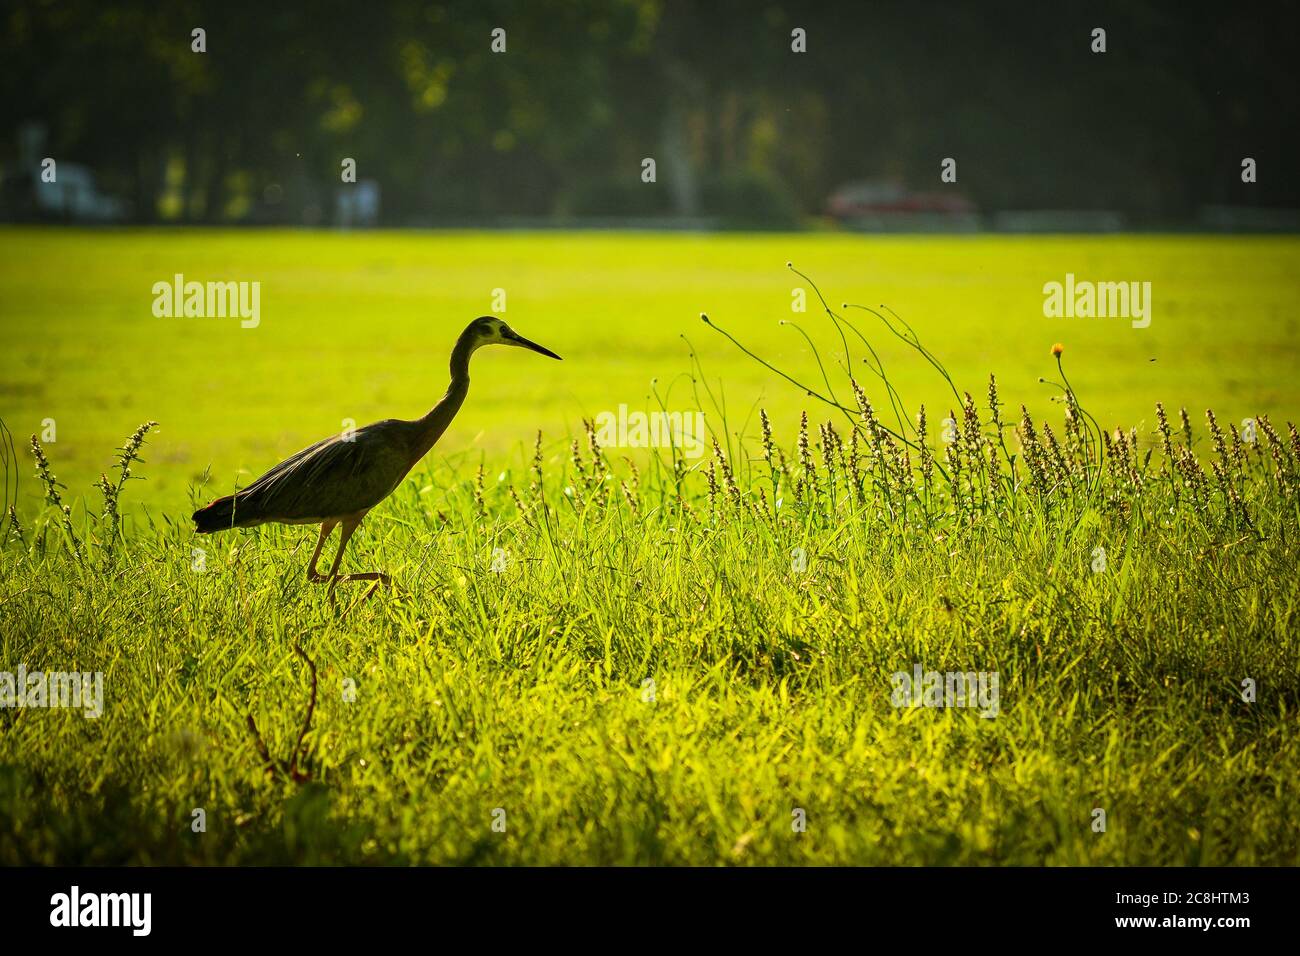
(336, 481)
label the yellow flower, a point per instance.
(1057, 349)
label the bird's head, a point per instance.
(490, 330)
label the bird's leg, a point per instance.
(313, 575)
(344, 534)
(377, 576)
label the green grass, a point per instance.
(360, 326)
(525, 690)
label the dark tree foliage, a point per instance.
(740, 126)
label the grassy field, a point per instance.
(611, 656)
(360, 326)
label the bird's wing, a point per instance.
(336, 476)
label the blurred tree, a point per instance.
(741, 125)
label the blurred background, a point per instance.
(745, 133)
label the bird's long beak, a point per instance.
(519, 340)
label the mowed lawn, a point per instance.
(359, 326)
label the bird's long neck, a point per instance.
(430, 428)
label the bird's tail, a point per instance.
(217, 516)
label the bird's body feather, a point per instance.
(336, 477)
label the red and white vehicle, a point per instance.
(882, 201)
